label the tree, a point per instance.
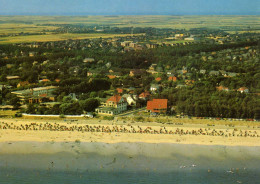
(31, 109)
(89, 105)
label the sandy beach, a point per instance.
(83, 149)
(105, 131)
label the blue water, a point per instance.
(117, 163)
(14, 176)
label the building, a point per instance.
(12, 77)
(120, 90)
(22, 84)
(214, 73)
(172, 78)
(114, 105)
(36, 94)
(222, 88)
(88, 60)
(154, 87)
(136, 73)
(145, 95)
(243, 90)
(158, 79)
(157, 105)
(131, 99)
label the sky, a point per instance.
(129, 7)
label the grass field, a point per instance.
(18, 28)
(179, 22)
(39, 24)
(7, 113)
(56, 37)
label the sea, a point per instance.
(133, 163)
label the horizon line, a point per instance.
(79, 14)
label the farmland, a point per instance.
(55, 37)
(18, 29)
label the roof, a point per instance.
(222, 88)
(172, 78)
(154, 86)
(12, 77)
(242, 89)
(116, 99)
(158, 79)
(157, 104)
(45, 80)
(111, 76)
(120, 90)
(144, 94)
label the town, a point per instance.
(200, 73)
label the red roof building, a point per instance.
(222, 88)
(243, 90)
(111, 76)
(157, 105)
(120, 90)
(116, 99)
(158, 79)
(145, 95)
(172, 78)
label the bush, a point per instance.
(18, 115)
(62, 116)
(108, 117)
(139, 118)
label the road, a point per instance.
(129, 113)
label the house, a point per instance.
(222, 88)
(181, 86)
(157, 105)
(35, 94)
(131, 99)
(172, 78)
(152, 67)
(145, 95)
(152, 46)
(22, 84)
(203, 71)
(88, 60)
(120, 90)
(126, 43)
(189, 82)
(230, 74)
(136, 73)
(131, 89)
(12, 77)
(154, 87)
(170, 72)
(111, 76)
(179, 36)
(114, 105)
(6, 107)
(213, 72)
(44, 80)
(243, 90)
(158, 79)
(31, 54)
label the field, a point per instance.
(55, 37)
(46, 24)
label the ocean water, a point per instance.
(14, 176)
(131, 163)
